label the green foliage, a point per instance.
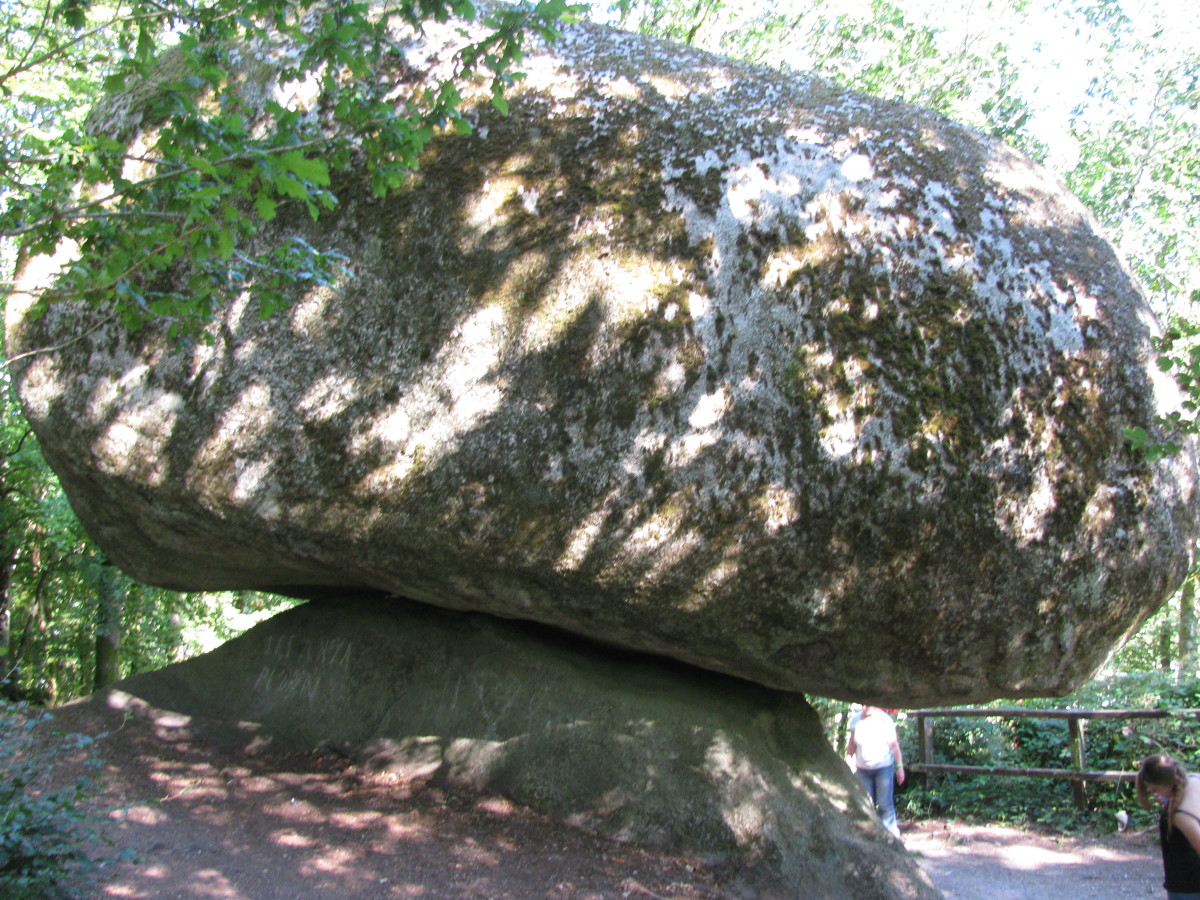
(1153, 651)
(1037, 743)
(1023, 802)
(43, 829)
(1179, 355)
(191, 199)
(835, 717)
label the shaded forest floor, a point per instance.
(197, 810)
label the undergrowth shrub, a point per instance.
(43, 828)
(1110, 745)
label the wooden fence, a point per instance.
(1078, 774)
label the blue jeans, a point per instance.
(881, 787)
(1175, 895)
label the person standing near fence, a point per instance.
(1178, 824)
(878, 761)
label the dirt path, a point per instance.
(208, 818)
(998, 863)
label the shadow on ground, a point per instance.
(208, 817)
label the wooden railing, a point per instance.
(1078, 774)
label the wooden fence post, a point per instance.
(1078, 785)
(925, 728)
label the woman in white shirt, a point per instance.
(878, 761)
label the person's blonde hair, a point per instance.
(1161, 770)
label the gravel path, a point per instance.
(998, 863)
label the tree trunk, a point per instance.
(1165, 647)
(34, 621)
(844, 729)
(108, 628)
(1185, 664)
(7, 665)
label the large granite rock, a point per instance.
(634, 748)
(689, 357)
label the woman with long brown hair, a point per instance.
(1167, 781)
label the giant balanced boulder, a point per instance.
(686, 356)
